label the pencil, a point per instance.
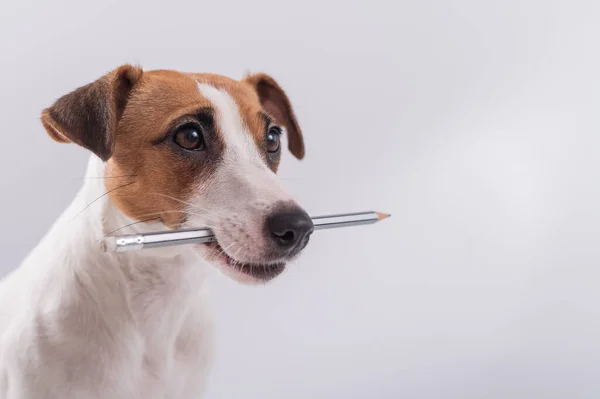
(203, 235)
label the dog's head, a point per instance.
(195, 150)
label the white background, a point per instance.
(476, 123)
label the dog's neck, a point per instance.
(161, 283)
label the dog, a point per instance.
(169, 150)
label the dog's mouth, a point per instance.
(257, 271)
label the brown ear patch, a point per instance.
(276, 103)
(53, 132)
(89, 115)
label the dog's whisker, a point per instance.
(216, 218)
(231, 245)
(104, 177)
(128, 225)
(218, 251)
(190, 204)
(212, 255)
(106, 193)
(209, 219)
(234, 257)
(208, 213)
(157, 219)
(187, 212)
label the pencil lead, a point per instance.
(381, 216)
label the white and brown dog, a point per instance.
(173, 150)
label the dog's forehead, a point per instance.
(165, 95)
(166, 84)
(234, 100)
(243, 94)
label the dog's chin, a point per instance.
(242, 272)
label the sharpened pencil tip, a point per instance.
(381, 216)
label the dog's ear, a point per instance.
(89, 115)
(275, 102)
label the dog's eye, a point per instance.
(273, 139)
(190, 138)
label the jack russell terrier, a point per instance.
(170, 149)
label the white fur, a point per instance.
(79, 323)
(238, 141)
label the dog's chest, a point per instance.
(176, 334)
(72, 352)
(142, 367)
(176, 370)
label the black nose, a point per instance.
(290, 229)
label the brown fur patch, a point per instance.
(276, 103)
(89, 115)
(164, 179)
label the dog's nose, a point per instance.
(290, 229)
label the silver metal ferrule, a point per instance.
(129, 243)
